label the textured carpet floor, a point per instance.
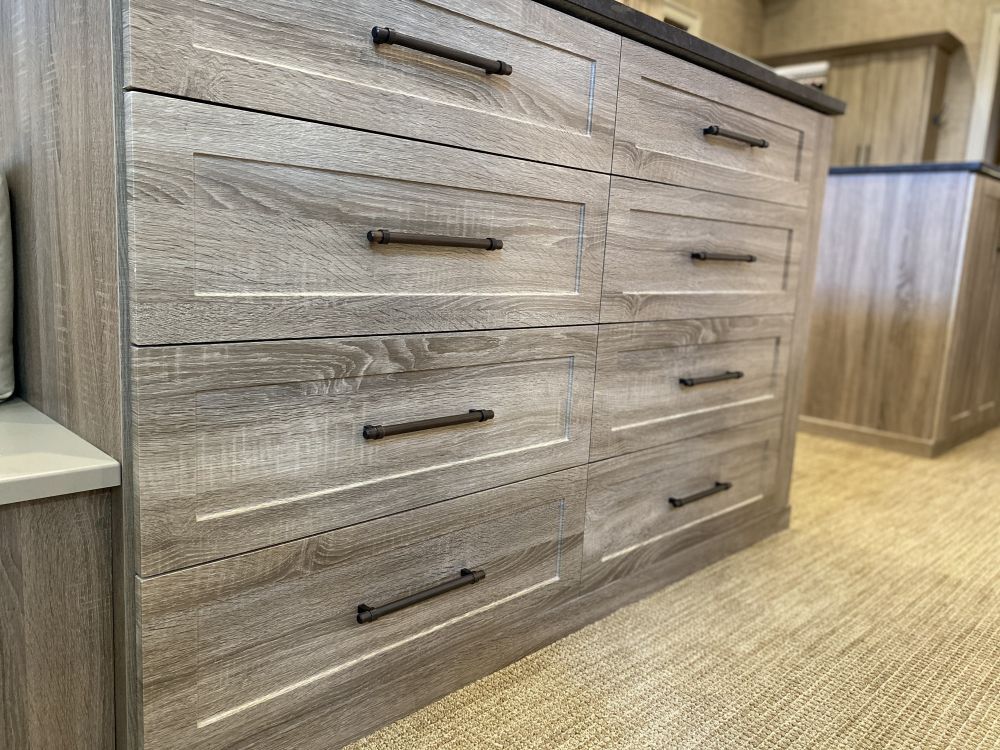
(874, 622)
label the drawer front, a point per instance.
(242, 446)
(316, 59)
(248, 226)
(664, 106)
(673, 252)
(264, 650)
(646, 505)
(660, 382)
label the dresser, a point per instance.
(906, 321)
(435, 331)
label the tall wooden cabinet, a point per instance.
(894, 90)
(905, 344)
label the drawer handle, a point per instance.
(465, 578)
(724, 256)
(385, 237)
(728, 375)
(719, 487)
(383, 35)
(733, 135)
(379, 431)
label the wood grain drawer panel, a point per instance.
(630, 521)
(640, 402)
(316, 60)
(666, 103)
(242, 446)
(248, 226)
(653, 230)
(257, 650)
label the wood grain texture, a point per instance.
(639, 401)
(57, 151)
(890, 254)
(255, 651)
(665, 103)
(246, 445)
(796, 374)
(653, 229)
(56, 657)
(316, 60)
(630, 521)
(972, 377)
(850, 78)
(247, 226)
(893, 98)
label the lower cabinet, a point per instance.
(974, 366)
(905, 332)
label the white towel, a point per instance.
(6, 295)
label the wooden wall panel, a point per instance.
(55, 628)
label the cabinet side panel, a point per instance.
(889, 253)
(58, 155)
(803, 308)
(56, 633)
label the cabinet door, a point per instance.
(972, 389)
(904, 93)
(891, 98)
(846, 81)
(987, 393)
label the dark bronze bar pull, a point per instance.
(734, 136)
(379, 431)
(385, 237)
(465, 578)
(719, 487)
(383, 35)
(728, 375)
(724, 256)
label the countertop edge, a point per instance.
(39, 458)
(635, 25)
(980, 167)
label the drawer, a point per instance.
(248, 226)
(316, 59)
(646, 505)
(665, 105)
(660, 382)
(242, 446)
(265, 650)
(674, 252)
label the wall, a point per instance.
(733, 24)
(793, 25)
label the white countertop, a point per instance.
(41, 458)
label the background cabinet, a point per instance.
(975, 361)
(905, 348)
(894, 91)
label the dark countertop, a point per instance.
(630, 23)
(982, 167)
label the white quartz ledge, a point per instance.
(41, 458)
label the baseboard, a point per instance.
(894, 441)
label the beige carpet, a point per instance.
(874, 622)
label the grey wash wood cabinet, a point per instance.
(412, 365)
